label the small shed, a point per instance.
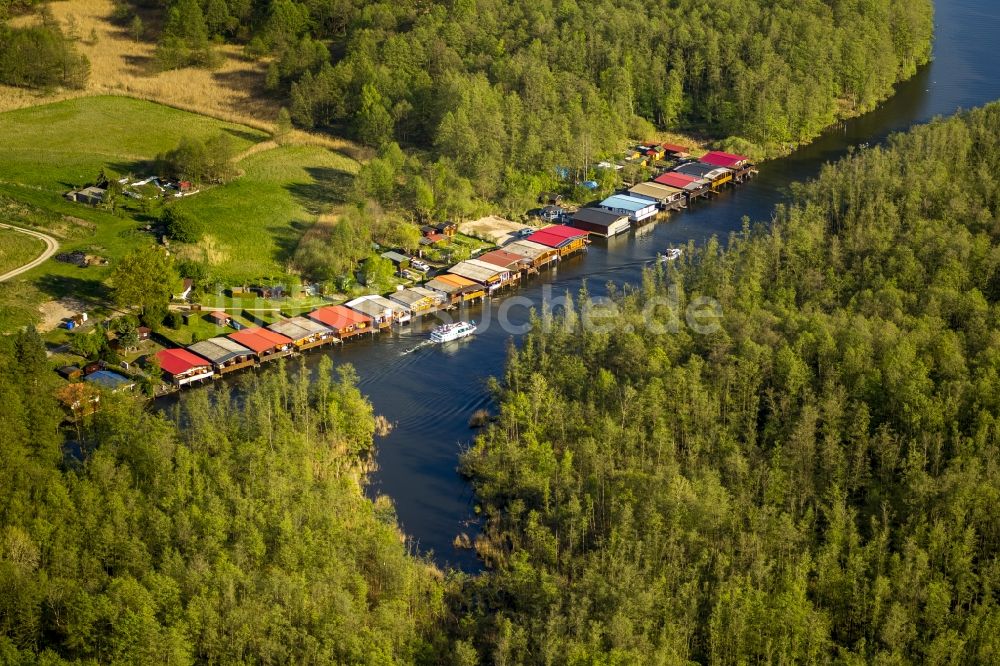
(70, 372)
(549, 198)
(219, 318)
(400, 261)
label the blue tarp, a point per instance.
(590, 184)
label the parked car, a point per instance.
(419, 265)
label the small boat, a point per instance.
(671, 254)
(456, 331)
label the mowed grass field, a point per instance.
(253, 223)
(17, 249)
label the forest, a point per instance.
(814, 482)
(493, 88)
(224, 532)
(815, 479)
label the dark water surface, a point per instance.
(430, 393)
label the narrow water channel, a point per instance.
(430, 393)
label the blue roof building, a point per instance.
(637, 209)
(111, 381)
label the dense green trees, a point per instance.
(209, 161)
(532, 86)
(40, 57)
(814, 482)
(243, 538)
(144, 281)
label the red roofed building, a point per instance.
(564, 238)
(342, 320)
(680, 180)
(505, 259)
(721, 159)
(265, 344)
(675, 149)
(182, 366)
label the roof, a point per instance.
(598, 216)
(177, 361)
(654, 191)
(109, 380)
(626, 202)
(450, 283)
(502, 258)
(526, 248)
(699, 170)
(430, 239)
(679, 180)
(674, 148)
(219, 315)
(395, 257)
(477, 271)
(219, 350)
(339, 316)
(298, 328)
(259, 339)
(408, 297)
(721, 159)
(556, 236)
(373, 306)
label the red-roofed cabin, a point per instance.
(675, 150)
(681, 181)
(219, 318)
(343, 321)
(727, 160)
(183, 367)
(505, 259)
(265, 344)
(561, 237)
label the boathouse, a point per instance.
(718, 158)
(600, 221)
(539, 255)
(382, 311)
(303, 332)
(638, 210)
(417, 300)
(224, 354)
(667, 197)
(265, 344)
(489, 275)
(715, 175)
(343, 321)
(560, 237)
(506, 259)
(183, 367)
(456, 289)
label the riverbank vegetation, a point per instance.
(242, 537)
(814, 482)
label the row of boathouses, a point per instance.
(673, 189)
(466, 281)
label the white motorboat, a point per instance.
(456, 331)
(671, 254)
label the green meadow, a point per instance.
(252, 224)
(17, 249)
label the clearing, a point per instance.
(253, 223)
(17, 249)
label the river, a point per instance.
(430, 393)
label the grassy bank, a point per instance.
(17, 249)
